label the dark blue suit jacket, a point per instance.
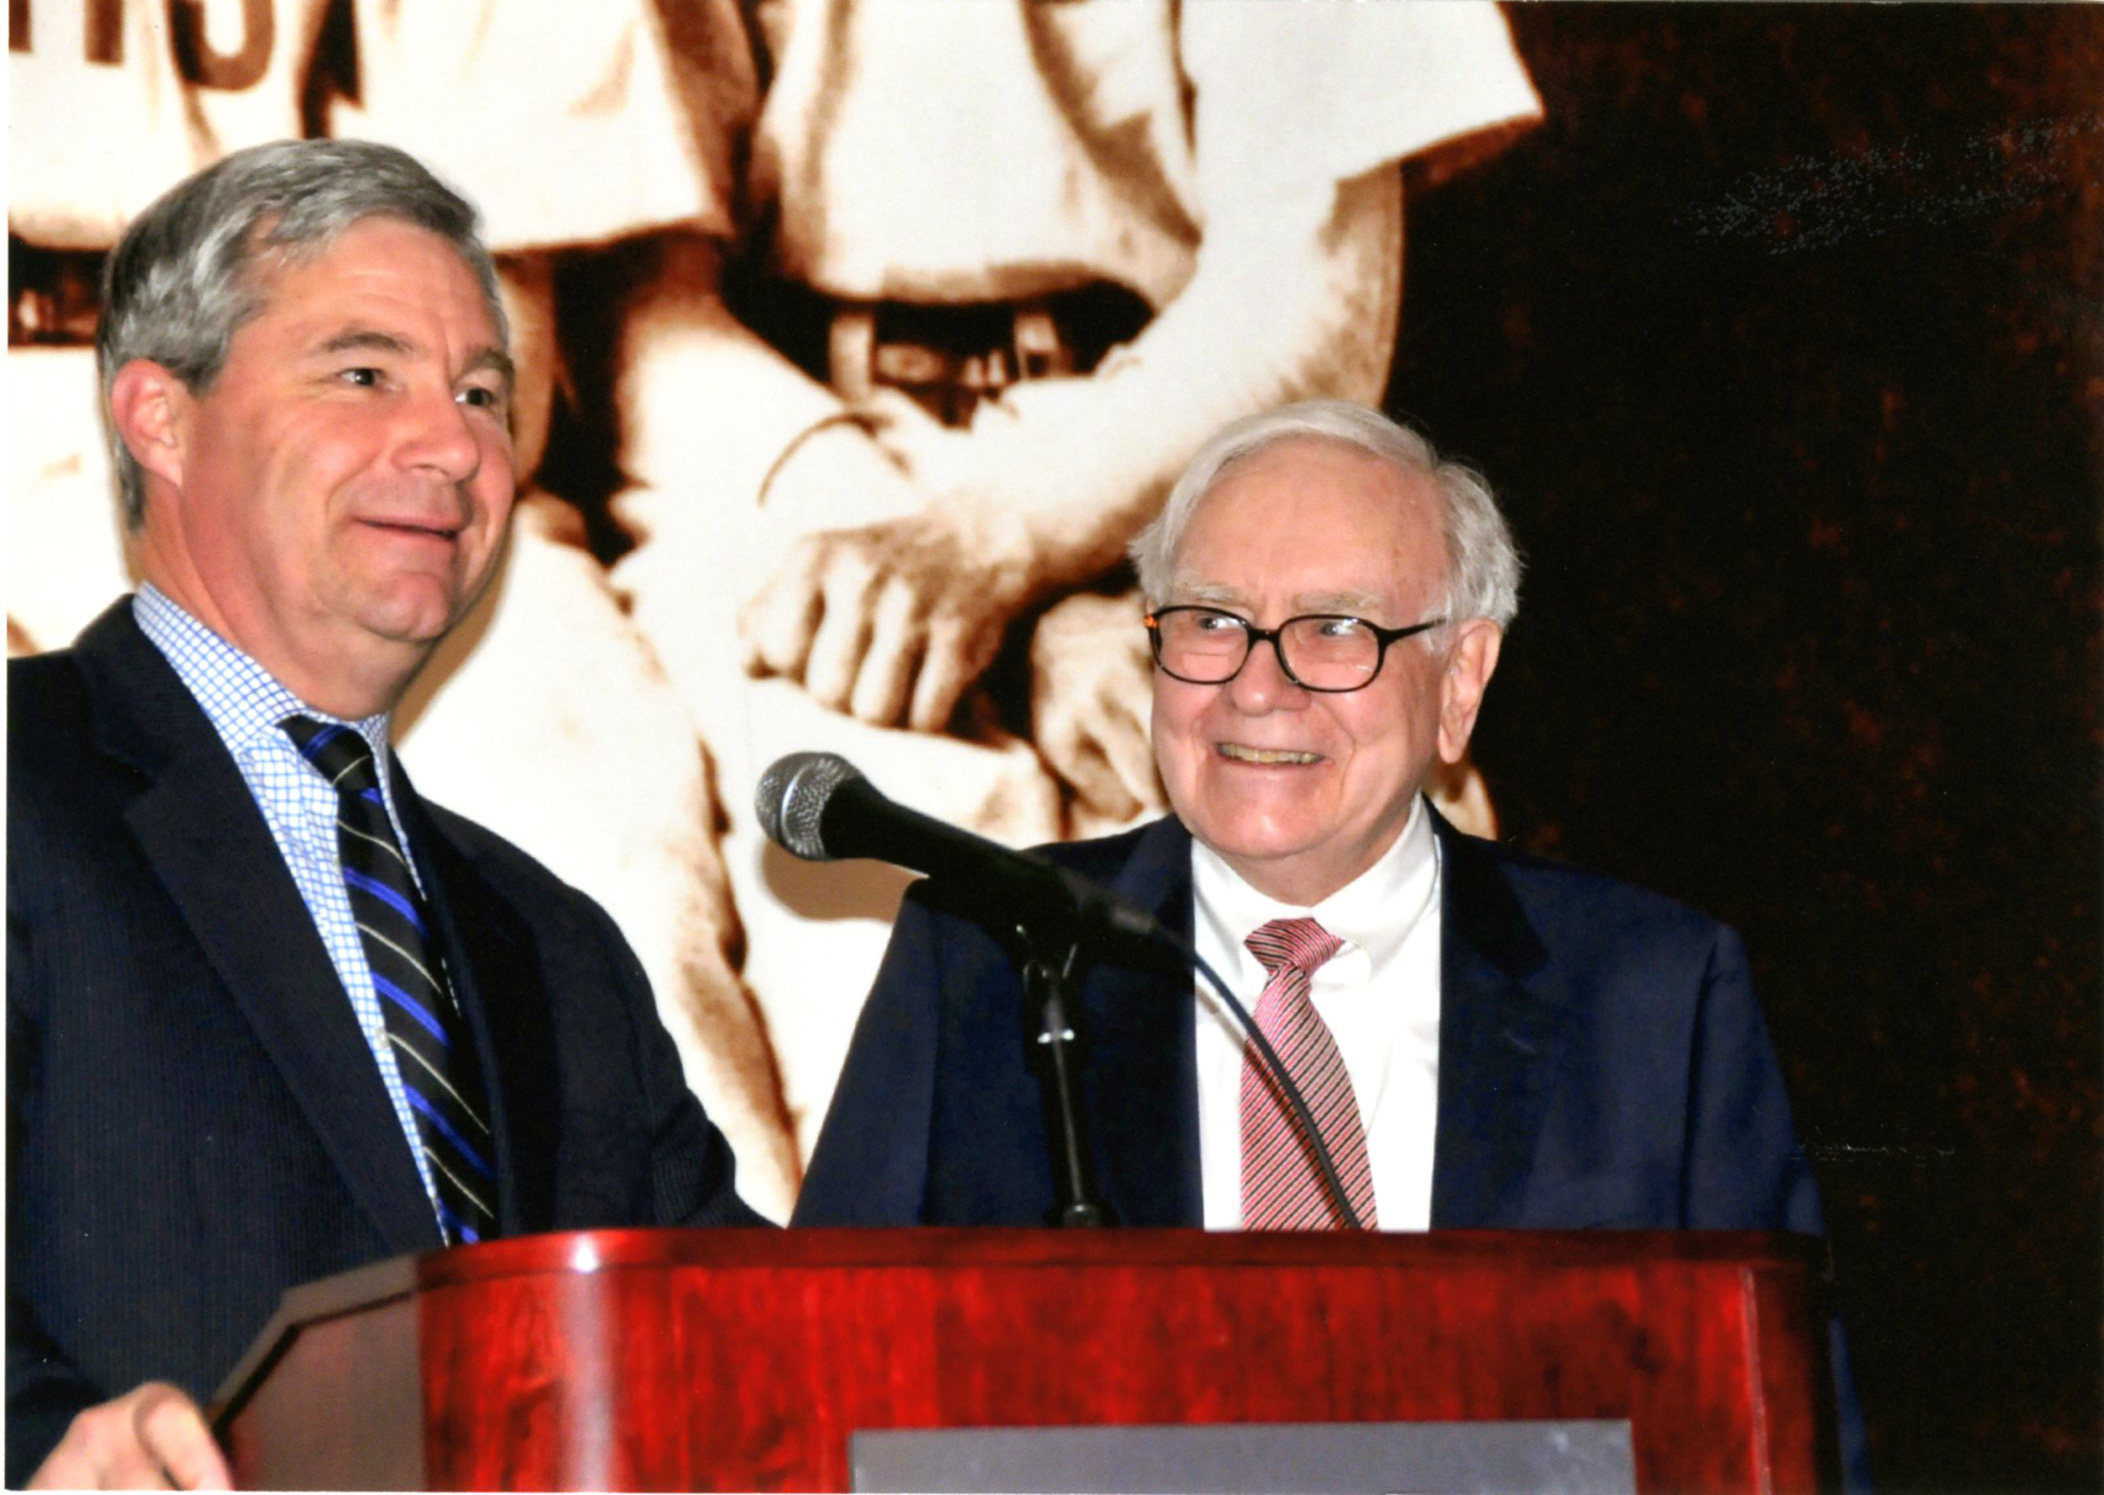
(195, 1122)
(1602, 1063)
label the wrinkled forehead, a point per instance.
(1315, 526)
(268, 259)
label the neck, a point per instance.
(353, 683)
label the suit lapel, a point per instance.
(489, 954)
(1497, 1037)
(1142, 1023)
(198, 825)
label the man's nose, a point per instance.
(441, 438)
(1262, 683)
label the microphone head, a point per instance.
(792, 797)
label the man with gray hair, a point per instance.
(271, 1015)
(1484, 1039)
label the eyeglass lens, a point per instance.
(1327, 653)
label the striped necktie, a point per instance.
(432, 1045)
(1282, 1187)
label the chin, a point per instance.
(422, 623)
(1259, 848)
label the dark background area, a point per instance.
(1781, 340)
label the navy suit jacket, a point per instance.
(1602, 1063)
(195, 1122)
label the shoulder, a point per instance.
(1529, 912)
(47, 698)
(110, 697)
(55, 773)
(62, 800)
(1558, 888)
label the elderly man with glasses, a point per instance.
(1485, 1039)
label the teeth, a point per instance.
(1265, 755)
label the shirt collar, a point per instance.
(244, 701)
(1376, 912)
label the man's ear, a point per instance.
(146, 405)
(1472, 659)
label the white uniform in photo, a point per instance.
(1232, 165)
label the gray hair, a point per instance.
(184, 278)
(1483, 565)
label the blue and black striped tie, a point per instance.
(432, 1046)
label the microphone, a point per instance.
(818, 806)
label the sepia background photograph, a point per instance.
(857, 338)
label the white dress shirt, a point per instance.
(1379, 995)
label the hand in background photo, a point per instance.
(892, 622)
(1090, 694)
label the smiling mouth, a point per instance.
(1241, 754)
(410, 527)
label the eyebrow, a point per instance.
(1207, 592)
(367, 340)
(498, 360)
(1214, 594)
(1338, 602)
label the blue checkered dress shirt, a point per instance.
(245, 705)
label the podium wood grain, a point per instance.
(745, 1359)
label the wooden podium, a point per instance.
(740, 1359)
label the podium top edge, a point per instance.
(953, 1247)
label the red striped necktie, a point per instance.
(1282, 1186)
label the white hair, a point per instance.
(1482, 564)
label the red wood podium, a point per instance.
(745, 1359)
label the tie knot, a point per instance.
(341, 753)
(1300, 943)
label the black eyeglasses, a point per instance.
(1318, 651)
